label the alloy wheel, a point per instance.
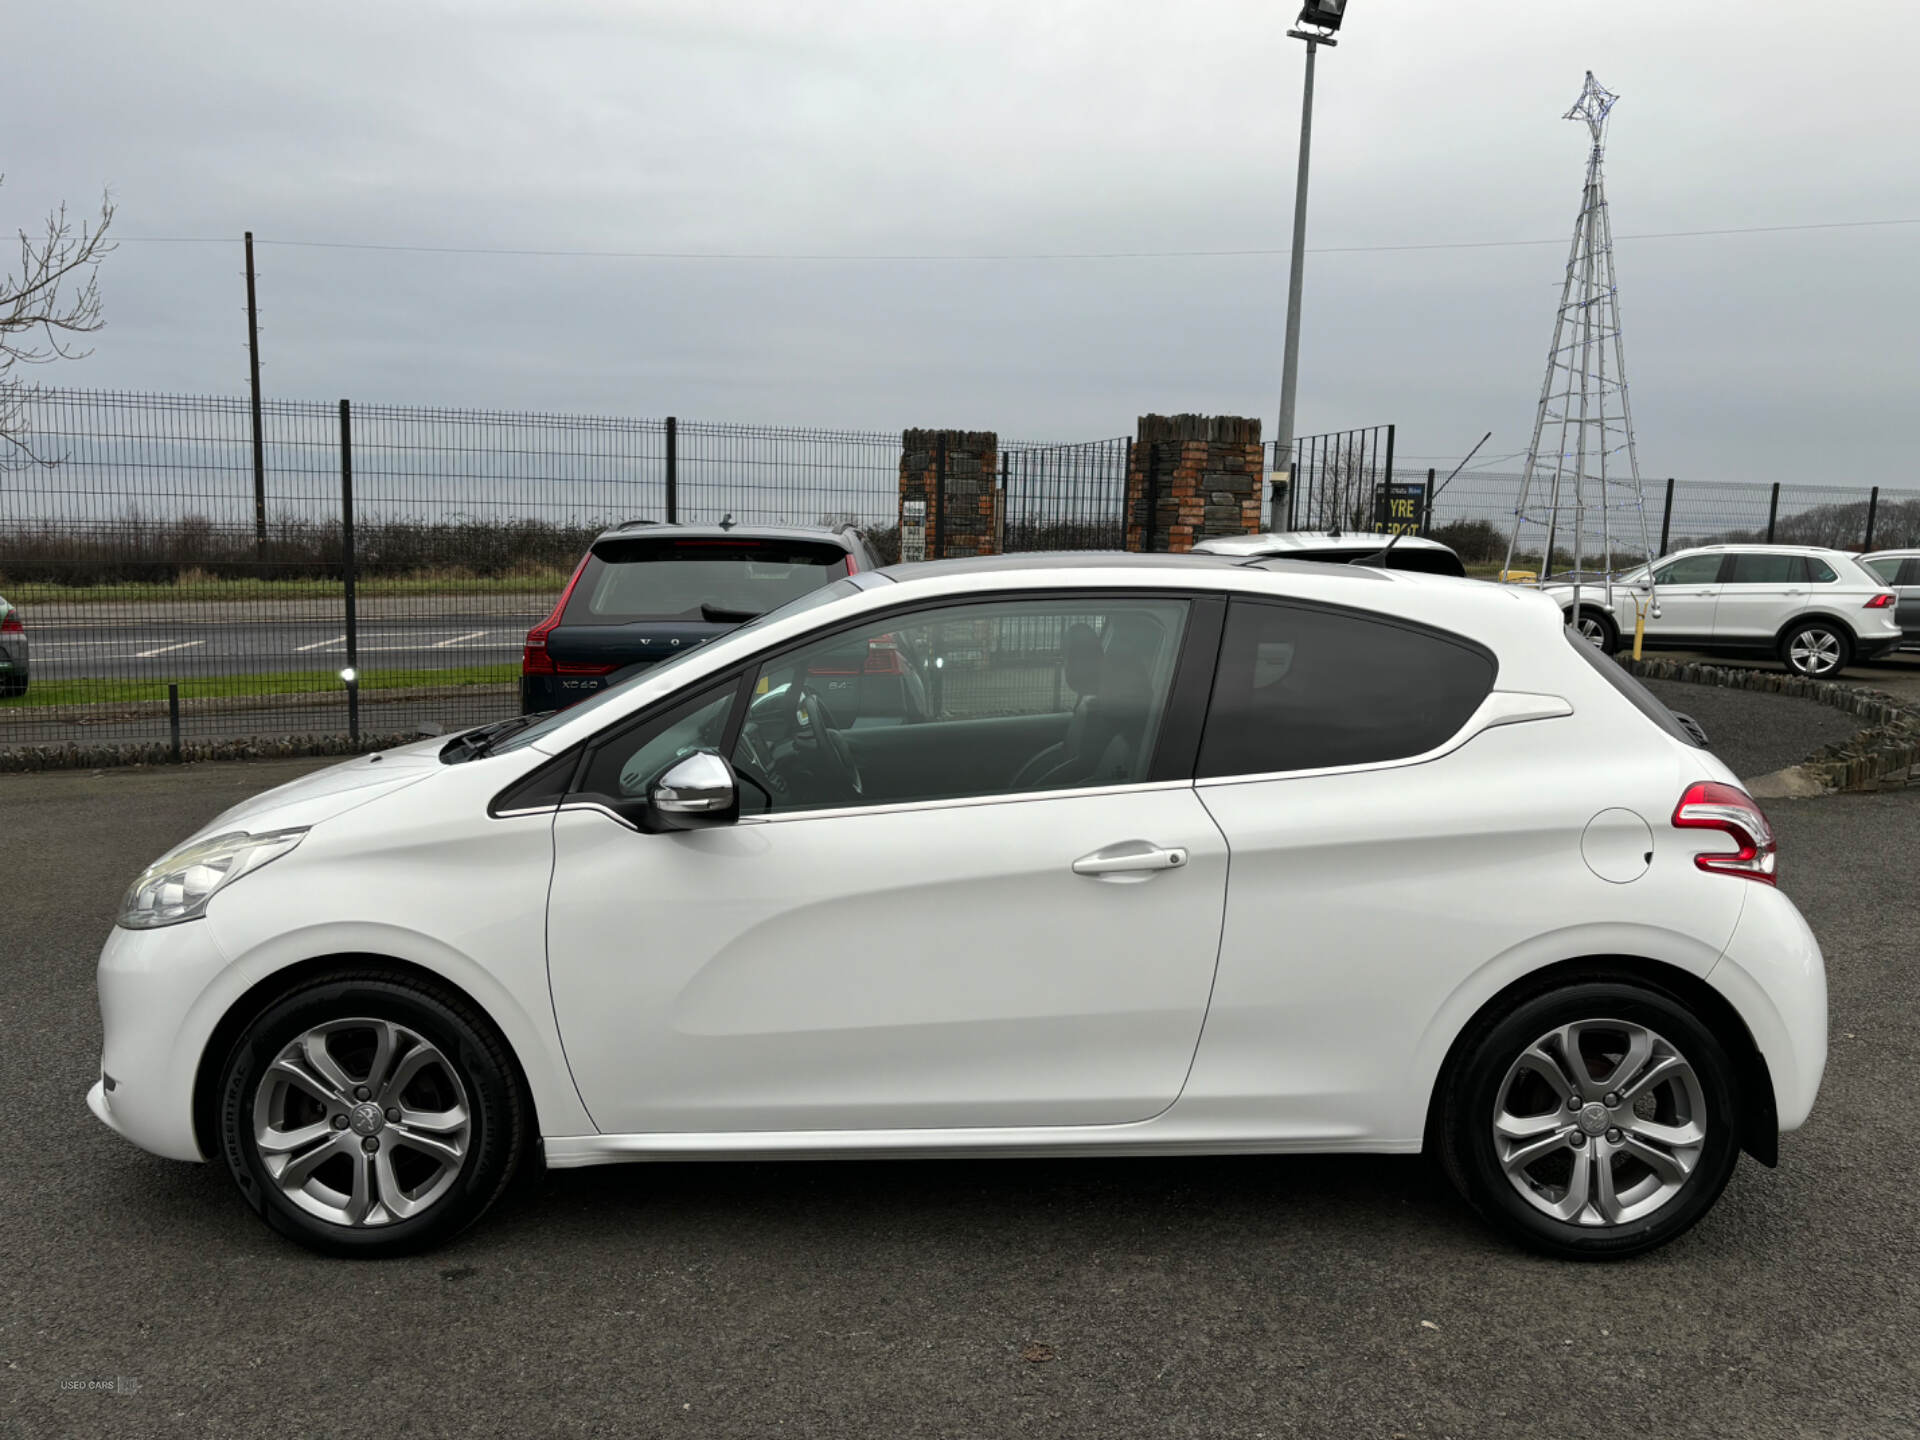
(1814, 652)
(1599, 1122)
(1593, 630)
(362, 1122)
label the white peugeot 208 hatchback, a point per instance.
(1169, 854)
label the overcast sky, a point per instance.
(981, 127)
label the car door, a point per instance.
(1761, 590)
(1006, 914)
(1686, 595)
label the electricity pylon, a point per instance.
(1583, 431)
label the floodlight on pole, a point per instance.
(1318, 21)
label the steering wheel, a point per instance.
(810, 731)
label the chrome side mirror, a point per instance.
(695, 792)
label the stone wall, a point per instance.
(1192, 477)
(961, 520)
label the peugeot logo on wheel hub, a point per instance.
(367, 1119)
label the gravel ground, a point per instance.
(1195, 1297)
(1755, 733)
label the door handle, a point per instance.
(1136, 858)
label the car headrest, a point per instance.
(1082, 660)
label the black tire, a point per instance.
(1815, 640)
(1608, 639)
(496, 1136)
(1471, 1090)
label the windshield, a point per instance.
(659, 577)
(821, 595)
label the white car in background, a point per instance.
(1267, 857)
(1817, 610)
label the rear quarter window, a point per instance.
(1302, 688)
(1636, 694)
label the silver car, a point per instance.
(13, 653)
(1900, 569)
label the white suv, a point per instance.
(1186, 857)
(1815, 609)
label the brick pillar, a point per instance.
(1191, 477)
(958, 520)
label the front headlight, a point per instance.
(178, 886)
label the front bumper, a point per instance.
(151, 983)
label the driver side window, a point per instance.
(997, 698)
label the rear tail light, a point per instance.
(1883, 601)
(852, 564)
(534, 659)
(1709, 805)
(884, 657)
(11, 623)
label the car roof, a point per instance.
(1278, 541)
(841, 535)
(1743, 545)
(1500, 616)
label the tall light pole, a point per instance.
(1318, 21)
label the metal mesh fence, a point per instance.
(173, 588)
(180, 578)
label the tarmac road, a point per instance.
(175, 641)
(1103, 1298)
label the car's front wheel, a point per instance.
(366, 1114)
(1594, 1121)
(1816, 650)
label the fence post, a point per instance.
(1426, 525)
(173, 720)
(673, 470)
(253, 376)
(939, 551)
(1666, 517)
(347, 570)
(1873, 507)
(1000, 510)
(1383, 487)
(1773, 510)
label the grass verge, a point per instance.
(25, 594)
(86, 690)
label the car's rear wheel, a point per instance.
(367, 1115)
(1594, 1121)
(1817, 649)
(12, 687)
(1597, 628)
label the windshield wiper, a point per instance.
(721, 614)
(472, 744)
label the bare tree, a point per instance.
(54, 297)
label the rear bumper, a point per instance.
(1873, 647)
(1773, 974)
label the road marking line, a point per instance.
(470, 635)
(321, 644)
(168, 649)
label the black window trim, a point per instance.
(1469, 727)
